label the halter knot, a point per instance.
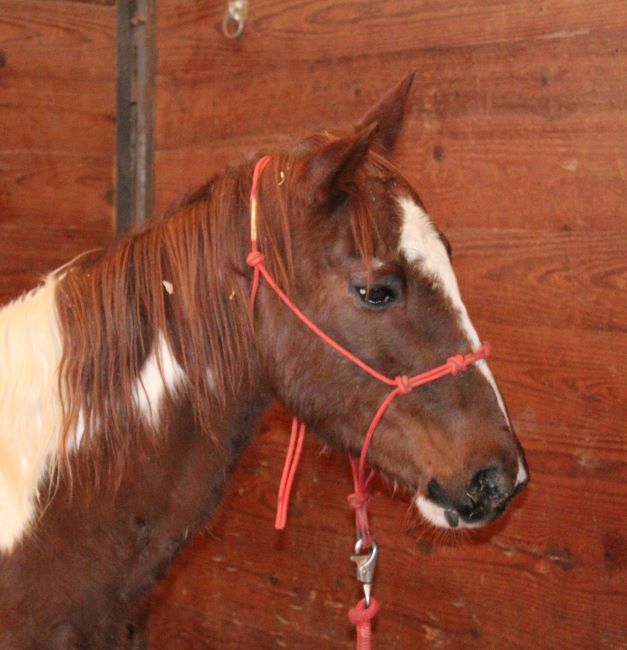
(404, 387)
(457, 364)
(361, 614)
(254, 258)
(358, 500)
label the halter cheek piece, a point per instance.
(367, 608)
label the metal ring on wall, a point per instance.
(235, 18)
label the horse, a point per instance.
(134, 377)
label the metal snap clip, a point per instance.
(366, 565)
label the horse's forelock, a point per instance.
(284, 205)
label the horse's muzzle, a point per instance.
(484, 498)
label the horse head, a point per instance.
(357, 252)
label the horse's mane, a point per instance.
(182, 276)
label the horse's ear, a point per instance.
(329, 168)
(388, 113)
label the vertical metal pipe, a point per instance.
(136, 56)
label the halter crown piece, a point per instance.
(367, 608)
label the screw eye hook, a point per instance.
(235, 18)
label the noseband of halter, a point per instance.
(400, 385)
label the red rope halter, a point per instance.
(366, 609)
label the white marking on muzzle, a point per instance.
(434, 514)
(421, 244)
(521, 475)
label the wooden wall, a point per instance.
(516, 141)
(57, 135)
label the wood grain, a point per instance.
(46, 186)
(560, 278)
(557, 81)
(57, 119)
(44, 40)
(475, 111)
(282, 32)
(29, 250)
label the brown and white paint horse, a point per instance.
(132, 379)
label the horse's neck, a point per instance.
(31, 417)
(122, 540)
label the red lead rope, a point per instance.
(367, 608)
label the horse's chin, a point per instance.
(442, 517)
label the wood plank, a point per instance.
(43, 40)
(28, 251)
(478, 104)
(58, 77)
(521, 85)
(110, 3)
(330, 32)
(55, 187)
(480, 188)
(57, 103)
(565, 279)
(475, 111)
(56, 116)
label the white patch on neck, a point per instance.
(420, 243)
(160, 373)
(30, 408)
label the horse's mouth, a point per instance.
(442, 517)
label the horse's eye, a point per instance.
(379, 294)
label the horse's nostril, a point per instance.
(485, 497)
(437, 493)
(489, 488)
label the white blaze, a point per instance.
(421, 244)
